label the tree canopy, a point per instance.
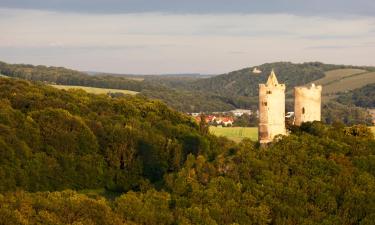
(58, 148)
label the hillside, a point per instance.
(361, 97)
(149, 86)
(343, 80)
(129, 160)
(193, 93)
(245, 83)
(54, 140)
(64, 76)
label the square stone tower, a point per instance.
(271, 109)
(307, 104)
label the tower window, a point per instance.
(269, 92)
(303, 110)
(265, 103)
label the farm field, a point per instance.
(335, 75)
(350, 83)
(95, 90)
(236, 133)
(344, 80)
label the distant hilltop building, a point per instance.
(307, 104)
(271, 109)
(307, 107)
(256, 70)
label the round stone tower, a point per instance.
(271, 109)
(307, 104)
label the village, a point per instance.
(225, 119)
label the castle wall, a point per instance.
(307, 104)
(271, 111)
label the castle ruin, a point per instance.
(307, 104)
(307, 107)
(271, 109)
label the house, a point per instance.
(227, 121)
(256, 71)
(240, 112)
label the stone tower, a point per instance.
(271, 109)
(307, 104)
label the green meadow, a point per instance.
(236, 133)
(95, 90)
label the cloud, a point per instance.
(331, 47)
(171, 43)
(297, 7)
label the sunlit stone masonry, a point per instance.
(307, 104)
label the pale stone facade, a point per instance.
(307, 104)
(271, 109)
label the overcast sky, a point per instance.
(191, 36)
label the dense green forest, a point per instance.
(155, 165)
(348, 114)
(361, 97)
(47, 135)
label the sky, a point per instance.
(191, 36)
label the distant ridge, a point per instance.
(195, 92)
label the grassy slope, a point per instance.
(351, 83)
(236, 133)
(344, 80)
(95, 90)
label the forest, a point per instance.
(69, 157)
(361, 97)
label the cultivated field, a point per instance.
(335, 75)
(94, 90)
(344, 80)
(236, 133)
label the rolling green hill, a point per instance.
(245, 83)
(237, 89)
